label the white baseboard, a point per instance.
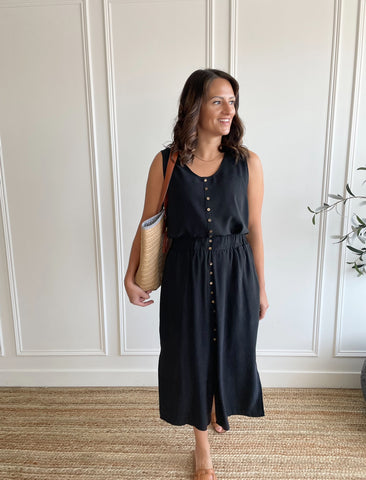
(293, 379)
(78, 378)
(149, 378)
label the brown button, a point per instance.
(212, 301)
(211, 263)
(210, 240)
(210, 231)
(207, 198)
(214, 329)
(211, 283)
(214, 339)
(208, 209)
(206, 188)
(211, 273)
(209, 220)
(210, 248)
(205, 179)
(212, 292)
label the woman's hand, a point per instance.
(136, 295)
(263, 304)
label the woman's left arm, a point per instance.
(255, 238)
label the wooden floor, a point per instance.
(116, 433)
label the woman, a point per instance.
(213, 289)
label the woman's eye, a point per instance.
(216, 102)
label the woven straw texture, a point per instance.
(115, 433)
(149, 273)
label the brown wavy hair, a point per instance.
(185, 134)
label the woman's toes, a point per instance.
(216, 426)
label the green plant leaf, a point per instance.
(310, 210)
(336, 197)
(313, 220)
(349, 190)
(360, 220)
(342, 237)
(360, 252)
(361, 168)
(357, 269)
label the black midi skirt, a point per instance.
(209, 315)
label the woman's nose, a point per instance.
(228, 107)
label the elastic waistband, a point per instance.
(219, 242)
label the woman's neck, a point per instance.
(208, 149)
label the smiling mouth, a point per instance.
(225, 121)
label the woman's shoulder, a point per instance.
(253, 160)
(165, 152)
(240, 155)
(252, 156)
(162, 155)
(247, 163)
(255, 168)
(161, 159)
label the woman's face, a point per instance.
(217, 109)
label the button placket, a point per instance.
(211, 285)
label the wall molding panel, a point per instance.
(328, 159)
(352, 136)
(3, 209)
(101, 349)
(7, 235)
(115, 171)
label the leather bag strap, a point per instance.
(168, 174)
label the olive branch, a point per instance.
(358, 227)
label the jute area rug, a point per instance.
(116, 433)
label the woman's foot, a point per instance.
(215, 425)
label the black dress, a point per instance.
(209, 301)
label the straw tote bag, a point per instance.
(154, 240)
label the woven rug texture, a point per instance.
(115, 433)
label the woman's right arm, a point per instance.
(154, 185)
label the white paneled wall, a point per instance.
(88, 95)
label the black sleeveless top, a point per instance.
(213, 205)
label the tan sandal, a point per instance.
(205, 474)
